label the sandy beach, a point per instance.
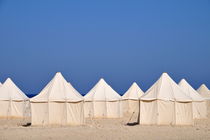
(104, 129)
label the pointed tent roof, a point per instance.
(165, 89)
(58, 89)
(102, 92)
(75, 91)
(203, 89)
(190, 91)
(9, 91)
(134, 92)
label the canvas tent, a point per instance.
(13, 101)
(204, 91)
(0, 84)
(199, 103)
(57, 104)
(164, 103)
(130, 100)
(102, 102)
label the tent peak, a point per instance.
(203, 85)
(164, 74)
(58, 73)
(102, 80)
(190, 91)
(183, 80)
(11, 91)
(134, 92)
(102, 91)
(134, 83)
(58, 89)
(165, 89)
(8, 80)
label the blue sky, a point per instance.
(121, 41)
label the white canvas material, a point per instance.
(57, 104)
(204, 91)
(164, 103)
(130, 103)
(199, 103)
(0, 84)
(13, 101)
(133, 93)
(102, 102)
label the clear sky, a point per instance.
(121, 41)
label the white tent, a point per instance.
(13, 101)
(164, 103)
(199, 103)
(57, 104)
(0, 84)
(131, 98)
(102, 102)
(204, 91)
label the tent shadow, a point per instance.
(132, 124)
(26, 125)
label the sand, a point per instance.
(104, 129)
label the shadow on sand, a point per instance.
(26, 125)
(132, 124)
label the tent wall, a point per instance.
(125, 106)
(157, 112)
(4, 111)
(57, 113)
(75, 113)
(88, 109)
(103, 109)
(165, 112)
(199, 110)
(148, 112)
(133, 106)
(113, 109)
(39, 113)
(130, 106)
(13, 109)
(18, 109)
(208, 107)
(184, 113)
(99, 109)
